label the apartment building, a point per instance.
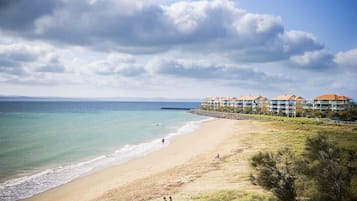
(216, 102)
(228, 101)
(290, 105)
(254, 104)
(211, 102)
(331, 102)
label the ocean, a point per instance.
(45, 144)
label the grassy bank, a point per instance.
(292, 133)
(232, 195)
(280, 132)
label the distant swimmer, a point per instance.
(163, 140)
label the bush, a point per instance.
(275, 172)
(328, 171)
(331, 167)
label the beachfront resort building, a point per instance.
(332, 102)
(252, 104)
(216, 102)
(212, 102)
(248, 104)
(289, 105)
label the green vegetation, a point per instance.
(224, 109)
(231, 195)
(298, 120)
(276, 173)
(332, 169)
(293, 132)
(323, 172)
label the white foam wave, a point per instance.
(28, 186)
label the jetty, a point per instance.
(175, 108)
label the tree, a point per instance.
(327, 169)
(316, 113)
(307, 112)
(350, 114)
(330, 114)
(332, 168)
(275, 172)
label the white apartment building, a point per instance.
(290, 105)
(253, 103)
(331, 102)
(216, 102)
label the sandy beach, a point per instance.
(168, 171)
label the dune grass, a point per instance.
(232, 195)
(292, 133)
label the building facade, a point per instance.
(289, 105)
(216, 102)
(249, 104)
(332, 102)
(252, 104)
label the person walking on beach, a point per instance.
(218, 157)
(170, 198)
(163, 140)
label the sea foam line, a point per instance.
(28, 186)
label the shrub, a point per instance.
(275, 172)
(331, 167)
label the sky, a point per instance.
(177, 49)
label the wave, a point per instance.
(28, 186)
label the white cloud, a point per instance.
(121, 64)
(155, 47)
(347, 60)
(314, 60)
(143, 27)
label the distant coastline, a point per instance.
(94, 99)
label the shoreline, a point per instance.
(17, 188)
(99, 183)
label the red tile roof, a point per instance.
(289, 97)
(252, 98)
(331, 97)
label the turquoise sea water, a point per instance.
(46, 144)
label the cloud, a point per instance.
(13, 56)
(314, 60)
(52, 64)
(299, 41)
(23, 59)
(347, 60)
(117, 64)
(161, 45)
(206, 70)
(19, 15)
(143, 27)
(17, 53)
